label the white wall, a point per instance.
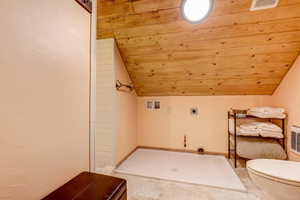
(116, 124)
(44, 106)
(105, 139)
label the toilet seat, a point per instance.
(287, 172)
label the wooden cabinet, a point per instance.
(90, 186)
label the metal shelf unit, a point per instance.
(233, 115)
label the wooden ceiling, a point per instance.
(233, 52)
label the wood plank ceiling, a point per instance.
(233, 52)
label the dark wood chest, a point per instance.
(90, 186)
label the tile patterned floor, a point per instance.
(140, 188)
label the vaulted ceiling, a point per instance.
(233, 52)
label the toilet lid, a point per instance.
(281, 169)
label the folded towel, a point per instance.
(267, 126)
(264, 129)
(270, 115)
(243, 132)
(267, 110)
(244, 129)
(271, 134)
(249, 126)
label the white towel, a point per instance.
(267, 126)
(264, 115)
(264, 129)
(271, 134)
(248, 130)
(267, 110)
(243, 132)
(249, 126)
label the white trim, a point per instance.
(92, 163)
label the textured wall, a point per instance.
(44, 84)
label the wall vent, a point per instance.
(263, 4)
(295, 139)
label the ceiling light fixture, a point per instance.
(194, 11)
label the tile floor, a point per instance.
(140, 188)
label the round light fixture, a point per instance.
(194, 11)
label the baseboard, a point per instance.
(125, 158)
(183, 150)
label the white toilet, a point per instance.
(280, 179)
